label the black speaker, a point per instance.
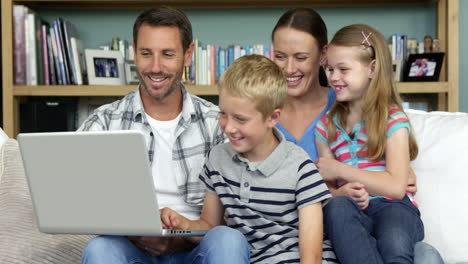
(48, 114)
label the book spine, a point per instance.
(63, 72)
(31, 50)
(45, 54)
(68, 33)
(75, 47)
(52, 71)
(58, 67)
(19, 33)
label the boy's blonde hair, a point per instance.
(380, 94)
(258, 79)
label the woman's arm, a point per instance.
(311, 233)
(392, 182)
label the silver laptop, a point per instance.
(93, 183)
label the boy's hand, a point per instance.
(172, 220)
(329, 168)
(357, 192)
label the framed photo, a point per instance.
(131, 73)
(423, 67)
(105, 67)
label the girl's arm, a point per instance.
(354, 190)
(392, 182)
(211, 216)
(311, 233)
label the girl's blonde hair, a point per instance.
(380, 94)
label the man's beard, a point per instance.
(174, 85)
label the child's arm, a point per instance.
(354, 190)
(311, 233)
(392, 182)
(210, 217)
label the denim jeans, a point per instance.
(426, 254)
(385, 232)
(220, 245)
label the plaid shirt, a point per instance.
(196, 133)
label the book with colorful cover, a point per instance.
(19, 44)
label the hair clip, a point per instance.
(366, 38)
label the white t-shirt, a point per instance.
(166, 174)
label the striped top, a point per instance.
(262, 199)
(352, 151)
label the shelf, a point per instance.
(422, 87)
(96, 90)
(204, 90)
(136, 4)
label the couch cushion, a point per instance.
(20, 241)
(441, 169)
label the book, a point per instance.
(52, 68)
(39, 50)
(19, 44)
(30, 42)
(60, 52)
(69, 32)
(58, 67)
(45, 54)
(78, 60)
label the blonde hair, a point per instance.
(380, 94)
(258, 79)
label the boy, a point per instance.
(265, 187)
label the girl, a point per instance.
(365, 141)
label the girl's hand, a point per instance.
(329, 168)
(357, 192)
(172, 220)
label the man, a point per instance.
(180, 129)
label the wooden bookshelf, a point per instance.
(447, 25)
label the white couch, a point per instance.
(441, 169)
(442, 172)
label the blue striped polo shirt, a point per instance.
(262, 199)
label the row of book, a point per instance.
(210, 61)
(46, 54)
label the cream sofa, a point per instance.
(441, 168)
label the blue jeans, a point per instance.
(385, 232)
(426, 254)
(220, 245)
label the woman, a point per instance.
(299, 41)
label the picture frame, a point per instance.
(131, 73)
(424, 67)
(105, 67)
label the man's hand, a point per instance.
(357, 192)
(154, 246)
(328, 168)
